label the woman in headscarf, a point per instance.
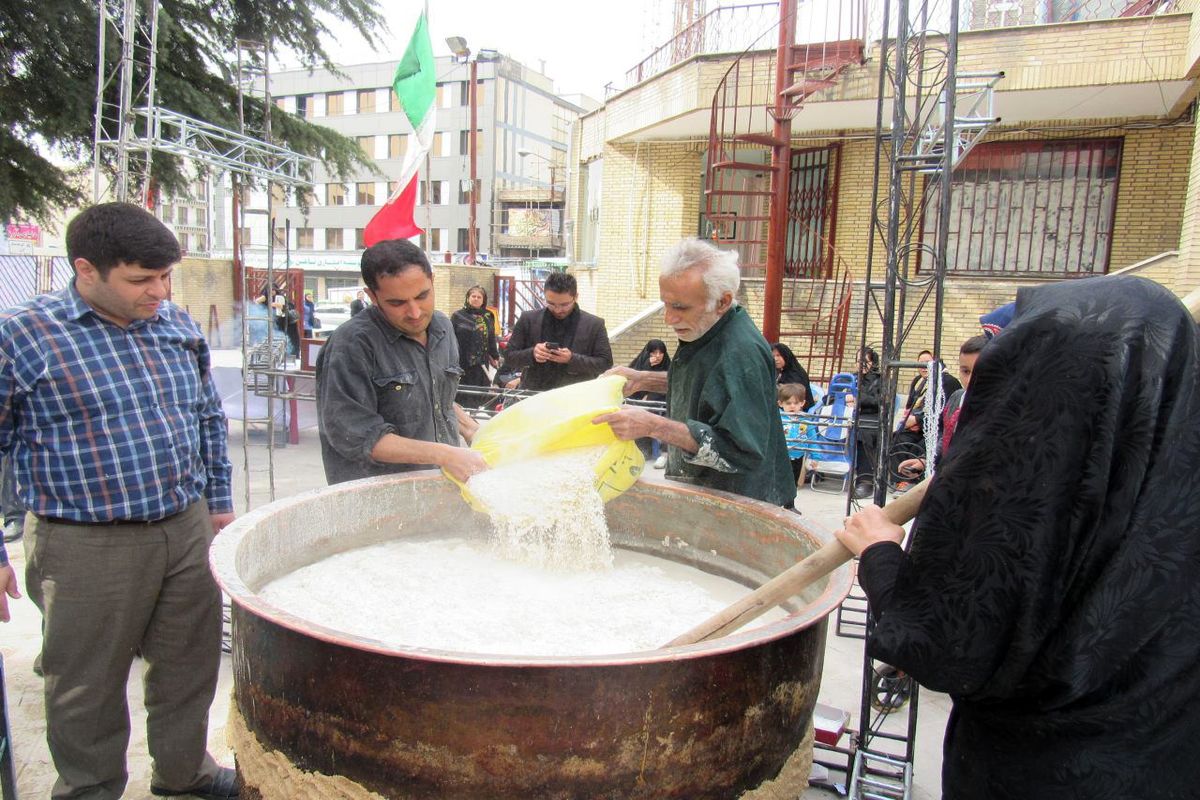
(653, 358)
(789, 370)
(475, 329)
(1053, 582)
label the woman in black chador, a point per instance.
(475, 329)
(1053, 583)
(788, 369)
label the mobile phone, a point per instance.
(552, 345)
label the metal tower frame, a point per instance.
(135, 127)
(915, 152)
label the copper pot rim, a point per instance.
(223, 555)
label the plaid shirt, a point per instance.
(109, 423)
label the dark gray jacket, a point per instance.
(373, 380)
(591, 353)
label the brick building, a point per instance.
(1092, 169)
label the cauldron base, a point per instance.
(267, 774)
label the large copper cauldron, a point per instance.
(710, 720)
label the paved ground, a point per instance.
(298, 468)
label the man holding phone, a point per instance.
(559, 344)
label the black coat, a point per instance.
(591, 353)
(1053, 586)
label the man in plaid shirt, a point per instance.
(108, 408)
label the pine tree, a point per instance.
(48, 51)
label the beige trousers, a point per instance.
(106, 593)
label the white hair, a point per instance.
(720, 267)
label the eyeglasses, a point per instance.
(560, 306)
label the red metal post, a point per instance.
(780, 173)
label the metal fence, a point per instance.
(23, 277)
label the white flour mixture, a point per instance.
(456, 594)
(546, 510)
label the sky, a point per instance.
(584, 44)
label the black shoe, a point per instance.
(863, 490)
(222, 787)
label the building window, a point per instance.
(201, 243)
(479, 94)
(366, 144)
(279, 102)
(366, 101)
(336, 194)
(279, 235)
(1032, 208)
(335, 104)
(333, 238)
(364, 194)
(588, 242)
(394, 101)
(443, 95)
(433, 193)
(304, 106)
(245, 237)
(464, 143)
(304, 238)
(436, 148)
(181, 215)
(464, 192)
(201, 217)
(397, 145)
(463, 244)
(278, 195)
(359, 243)
(183, 242)
(435, 239)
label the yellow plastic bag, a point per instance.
(561, 419)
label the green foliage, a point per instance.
(48, 85)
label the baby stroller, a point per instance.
(830, 435)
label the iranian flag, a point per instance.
(416, 86)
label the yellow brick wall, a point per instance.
(1188, 274)
(202, 285)
(451, 282)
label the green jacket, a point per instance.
(723, 387)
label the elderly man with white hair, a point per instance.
(722, 428)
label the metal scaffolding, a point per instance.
(928, 117)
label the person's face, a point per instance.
(406, 300)
(560, 304)
(966, 367)
(685, 301)
(475, 299)
(923, 359)
(127, 293)
(778, 359)
(655, 358)
(792, 405)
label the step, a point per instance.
(747, 165)
(760, 138)
(807, 86)
(738, 193)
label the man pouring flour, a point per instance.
(722, 425)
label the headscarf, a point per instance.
(1053, 586)
(792, 372)
(995, 321)
(642, 360)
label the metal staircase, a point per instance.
(749, 102)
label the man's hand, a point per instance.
(462, 463)
(513, 384)
(560, 356)
(8, 582)
(911, 467)
(219, 521)
(541, 353)
(468, 426)
(634, 379)
(630, 423)
(866, 528)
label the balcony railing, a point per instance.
(729, 29)
(984, 14)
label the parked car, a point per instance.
(329, 315)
